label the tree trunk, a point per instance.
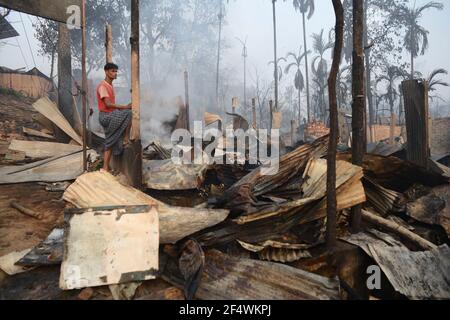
(64, 79)
(308, 101)
(334, 127)
(275, 53)
(359, 101)
(52, 67)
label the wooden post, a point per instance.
(108, 43)
(130, 163)
(84, 79)
(392, 129)
(359, 141)
(334, 127)
(254, 112)
(186, 95)
(270, 115)
(415, 94)
(135, 70)
(234, 104)
(65, 100)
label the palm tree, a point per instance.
(390, 77)
(305, 7)
(279, 73)
(433, 82)
(320, 71)
(299, 80)
(416, 37)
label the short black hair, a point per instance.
(110, 66)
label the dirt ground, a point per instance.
(19, 231)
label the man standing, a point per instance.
(115, 119)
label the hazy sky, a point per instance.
(253, 19)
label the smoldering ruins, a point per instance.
(361, 191)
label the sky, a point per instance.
(252, 19)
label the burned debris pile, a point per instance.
(218, 231)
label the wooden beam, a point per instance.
(415, 94)
(394, 227)
(108, 43)
(135, 71)
(130, 162)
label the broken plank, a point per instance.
(7, 262)
(56, 169)
(39, 149)
(47, 108)
(397, 229)
(15, 156)
(100, 188)
(36, 133)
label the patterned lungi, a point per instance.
(114, 123)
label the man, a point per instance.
(115, 119)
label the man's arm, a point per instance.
(111, 105)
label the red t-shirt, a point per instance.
(105, 90)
